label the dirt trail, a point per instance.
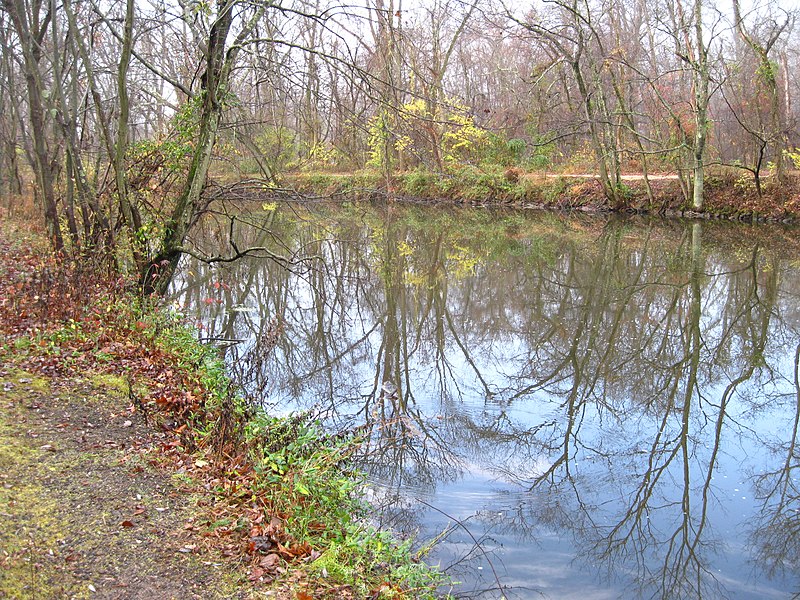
(628, 177)
(83, 513)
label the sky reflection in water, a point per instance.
(610, 407)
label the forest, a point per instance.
(213, 354)
(121, 116)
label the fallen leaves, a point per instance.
(70, 321)
(267, 569)
(261, 543)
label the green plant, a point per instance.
(277, 147)
(553, 189)
(419, 182)
(543, 151)
(794, 156)
(516, 147)
(379, 135)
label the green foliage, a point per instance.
(542, 153)
(554, 189)
(186, 122)
(502, 151)
(419, 182)
(148, 158)
(170, 154)
(276, 145)
(768, 72)
(624, 190)
(302, 469)
(299, 466)
(536, 155)
(379, 136)
(367, 550)
(516, 148)
(794, 156)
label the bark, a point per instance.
(766, 76)
(158, 272)
(77, 179)
(702, 77)
(127, 207)
(30, 34)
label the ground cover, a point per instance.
(728, 195)
(132, 469)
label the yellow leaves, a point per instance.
(404, 248)
(463, 136)
(402, 143)
(463, 261)
(794, 156)
(443, 129)
(414, 279)
(418, 107)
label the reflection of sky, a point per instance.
(477, 457)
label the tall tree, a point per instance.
(220, 59)
(693, 47)
(770, 130)
(30, 22)
(574, 33)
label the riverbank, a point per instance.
(131, 469)
(728, 196)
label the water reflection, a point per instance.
(610, 406)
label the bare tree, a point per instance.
(769, 129)
(31, 22)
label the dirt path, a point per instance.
(628, 177)
(83, 513)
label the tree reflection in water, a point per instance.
(612, 388)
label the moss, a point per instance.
(70, 480)
(109, 381)
(29, 528)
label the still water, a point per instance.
(583, 407)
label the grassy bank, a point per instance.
(274, 503)
(728, 194)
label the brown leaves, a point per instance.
(261, 543)
(79, 321)
(295, 551)
(272, 550)
(267, 568)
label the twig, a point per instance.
(474, 539)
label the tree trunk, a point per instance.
(158, 272)
(129, 210)
(30, 41)
(702, 77)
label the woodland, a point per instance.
(127, 125)
(121, 116)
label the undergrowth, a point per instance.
(285, 497)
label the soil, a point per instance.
(85, 511)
